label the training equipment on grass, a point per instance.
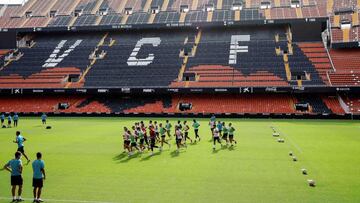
(48, 127)
(291, 153)
(311, 183)
(276, 134)
(281, 140)
(294, 158)
(304, 171)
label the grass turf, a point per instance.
(84, 162)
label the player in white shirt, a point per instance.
(216, 138)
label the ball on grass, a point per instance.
(276, 134)
(281, 140)
(311, 183)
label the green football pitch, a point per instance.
(84, 163)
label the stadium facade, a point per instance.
(242, 58)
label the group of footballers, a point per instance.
(141, 137)
(15, 119)
(15, 166)
(9, 118)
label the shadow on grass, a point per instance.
(130, 157)
(148, 157)
(219, 149)
(232, 148)
(120, 156)
(193, 143)
(174, 154)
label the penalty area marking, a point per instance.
(58, 200)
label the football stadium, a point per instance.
(111, 101)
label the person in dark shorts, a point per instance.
(126, 140)
(2, 118)
(196, 126)
(157, 131)
(220, 127)
(20, 142)
(16, 119)
(152, 139)
(146, 138)
(43, 118)
(168, 128)
(162, 132)
(134, 128)
(225, 133)
(15, 167)
(179, 138)
(133, 143)
(9, 121)
(231, 134)
(38, 177)
(141, 138)
(212, 124)
(186, 132)
(216, 138)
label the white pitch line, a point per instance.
(58, 200)
(292, 142)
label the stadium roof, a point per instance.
(13, 2)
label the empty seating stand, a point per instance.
(138, 18)
(60, 21)
(167, 17)
(347, 65)
(255, 62)
(51, 59)
(333, 104)
(49, 78)
(139, 59)
(212, 104)
(300, 63)
(85, 20)
(318, 56)
(317, 105)
(202, 104)
(112, 19)
(353, 103)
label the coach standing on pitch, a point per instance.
(39, 176)
(15, 167)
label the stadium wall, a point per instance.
(8, 40)
(307, 31)
(201, 115)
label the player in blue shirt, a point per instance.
(2, 118)
(15, 167)
(38, 176)
(212, 124)
(9, 121)
(20, 142)
(43, 118)
(219, 127)
(16, 119)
